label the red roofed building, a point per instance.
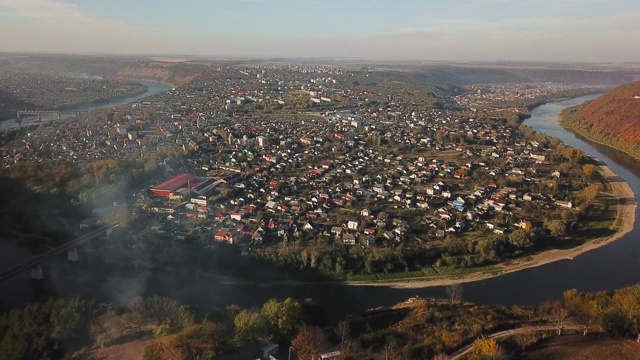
(224, 236)
(170, 186)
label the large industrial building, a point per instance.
(169, 187)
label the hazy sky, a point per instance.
(566, 30)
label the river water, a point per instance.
(152, 89)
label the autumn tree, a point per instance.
(526, 339)
(591, 192)
(583, 308)
(627, 302)
(487, 349)
(107, 328)
(309, 343)
(137, 312)
(201, 342)
(588, 170)
(153, 351)
(162, 309)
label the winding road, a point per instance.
(500, 334)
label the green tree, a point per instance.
(25, 333)
(186, 316)
(557, 228)
(69, 318)
(287, 316)
(520, 238)
(250, 325)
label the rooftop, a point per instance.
(176, 182)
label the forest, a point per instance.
(612, 119)
(415, 329)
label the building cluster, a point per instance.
(376, 169)
(49, 91)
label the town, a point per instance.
(310, 168)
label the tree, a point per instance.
(558, 317)
(137, 312)
(487, 349)
(201, 342)
(557, 228)
(250, 325)
(162, 309)
(454, 292)
(590, 193)
(526, 339)
(588, 170)
(309, 343)
(69, 318)
(520, 238)
(582, 308)
(286, 316)
(389, 350)
(186, 316)
(153, 351)
(627, 303)
(106, 328)
(25, 333)
(348, 347)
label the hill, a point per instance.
(612, 119)
(86, 66)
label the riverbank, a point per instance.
(625, 219)
(622, 225)
(566, 123)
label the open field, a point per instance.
(576, 347)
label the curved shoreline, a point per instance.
(624, 222)
(577, 132)
(625, 219)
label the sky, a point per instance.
(437, 30)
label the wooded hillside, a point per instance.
(613, 118)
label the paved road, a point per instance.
(53, 252)
(463, 351)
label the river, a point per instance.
(152, 89)
(612, 266)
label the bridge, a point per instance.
(37, 260)
(38, 113)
